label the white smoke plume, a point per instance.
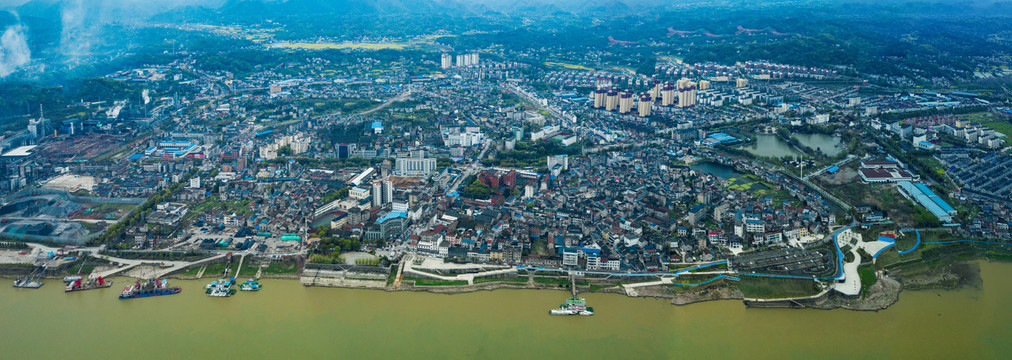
(83, 20)
(75, 37)
(14, 52)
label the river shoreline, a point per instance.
(880, 296)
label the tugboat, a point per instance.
(77, 285)
(573, 306)
(220, 288)
(151, 287)
(250, 285)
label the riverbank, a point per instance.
(885, 292)
(288, 320)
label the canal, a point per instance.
(286, 320)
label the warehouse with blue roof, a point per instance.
(921, 194)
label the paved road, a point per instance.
(472, 169)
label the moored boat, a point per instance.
(220, 288)
(79, 284)
(151, 287)
(250, 285)
(32, 281)
(573, 306)
(27, 283)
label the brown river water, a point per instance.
(287, 320)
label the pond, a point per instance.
(772, 145)
(720, 170)
(828, 144)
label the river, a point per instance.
(286, 320)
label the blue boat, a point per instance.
(151, 287)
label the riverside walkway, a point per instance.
(469, 277)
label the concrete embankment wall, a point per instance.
(346, 276)
(12, 271)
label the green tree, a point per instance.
(477, 190)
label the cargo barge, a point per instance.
(81, 285)
(32, 281)
(151, 287)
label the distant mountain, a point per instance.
(248, 9)
(266, 8)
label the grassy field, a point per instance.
(392, 275)
(867, 274)
(568, 66)
(979, 116)
(434, 282)
(344, 45)
(215, 203)
(249, 269)
(100, 210)
(192, 271)
(771, 288)
(559, 281)
(1003, 127)
(479, 280)
(881, 196)
(280, 267)
(891, 258)
(217, 269)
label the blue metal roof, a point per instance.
(935, 198)
(924, 199)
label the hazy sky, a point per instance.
(128, 3)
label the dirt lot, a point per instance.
(71, 183)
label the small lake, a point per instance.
(720, 170)
(828, 144)
(772, 145)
